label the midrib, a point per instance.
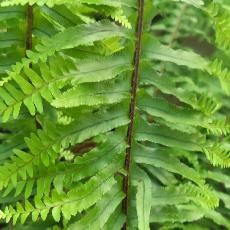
(134, 83)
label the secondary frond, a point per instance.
(76, 200)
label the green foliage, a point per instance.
(66, 113)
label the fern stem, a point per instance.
(134, 82)
(29, 43)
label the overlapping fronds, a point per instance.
(115, 115)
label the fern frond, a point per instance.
(76, 36)
(225, 198)
(106, 108)
(76, 200)
(119, 16)
(46, 144)
(111, 46)
(219, 127)
(179, 214)
(168, 137)
(166, 178)
(143, 186)
(97, 217)
(202, 102)
(83, 167)
(153, 50)
(162, 158)
(12, 37)
(221, 20)
(216, 68)
(218, 176)
(218, 156)
(206, 104)
(218, 218)
(11, 140)
(33, 87)
(184, 193)
(185, 213)
(116, 220)
(79, 35)
(94, 94)
(159, 107)
(48, 80)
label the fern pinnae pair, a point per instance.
(79, 83)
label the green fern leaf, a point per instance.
(97, 217)
(165, 160)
